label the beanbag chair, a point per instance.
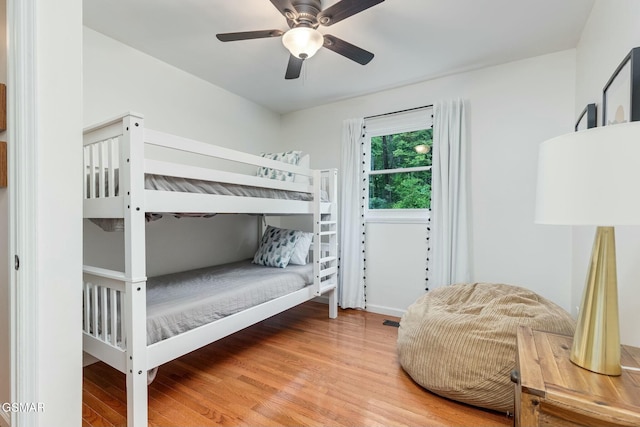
(459, 341)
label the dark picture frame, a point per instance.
(621, 94)
(587, 119)
(3, 107)
(3, 164)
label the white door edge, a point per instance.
(23, 195)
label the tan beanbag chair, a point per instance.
(459, 341)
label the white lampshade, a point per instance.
(590, 177)
(303, 42)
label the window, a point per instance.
(397, 160)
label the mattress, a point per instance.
(185, 185)
(169, 183)
(179, 302)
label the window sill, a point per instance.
(413, 216)
(396, 220)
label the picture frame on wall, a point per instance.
(621, 94)
(587, 119)
(3, 164)
(3, 107)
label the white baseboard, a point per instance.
(4, 419)
(379, 309)
(388, 311)
(88, 359)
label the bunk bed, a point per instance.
(120, 184)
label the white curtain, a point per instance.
(351, 278)
(450, 230)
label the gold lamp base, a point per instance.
(596, 343)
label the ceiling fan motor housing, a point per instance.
(307, 12)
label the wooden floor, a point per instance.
(299, 368)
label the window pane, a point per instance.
(399, 150)
(407, 190)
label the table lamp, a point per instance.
(592, 177)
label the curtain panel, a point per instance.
(449, 254)
(351, 289)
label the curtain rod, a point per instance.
(398, 112)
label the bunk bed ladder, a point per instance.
(325, 238)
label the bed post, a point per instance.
(325, 239)
(332, 190)
(135, 310)
(261, 227)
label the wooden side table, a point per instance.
(550, 390)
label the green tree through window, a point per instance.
(400, 176)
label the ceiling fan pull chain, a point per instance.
(305, 67)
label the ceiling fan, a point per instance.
(303, 38)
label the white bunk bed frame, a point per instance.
(115, 301)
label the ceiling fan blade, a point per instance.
(344, 9)
(293, 68)
(286, 8)
(248, 35)
(347, 50)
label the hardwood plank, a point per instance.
(219, 410)
(104, 404)
(296, 368)
(91, 418)
(113, 383)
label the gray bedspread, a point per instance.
(183, 301)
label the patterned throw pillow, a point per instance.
(291, 157)
(276, 247)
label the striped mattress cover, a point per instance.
(185, 185)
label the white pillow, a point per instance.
(301, 250)
(291, 157)
(305, 162)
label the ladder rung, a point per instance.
(328, 271)
(327, 259)
(328, 222)
(328, 233)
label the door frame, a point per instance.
(22, 128)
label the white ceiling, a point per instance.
(413, 40)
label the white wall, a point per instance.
(396, 266)
(610, 33)
(5, 360)
(118, 78)
(511, 109)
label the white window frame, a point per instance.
(388, 125)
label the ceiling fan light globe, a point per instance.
(302, 42)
